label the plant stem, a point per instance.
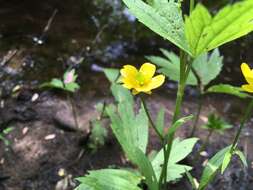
(244, 119)
(156, 131)
(150, 119)
(184, 72)
(73, 111)
(192, 4)
(200, 101)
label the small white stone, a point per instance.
(50, 137)
(204, 154)
(35, 97)
(25, 130)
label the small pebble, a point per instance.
(35, 97)
(204, 154)
(50, 137)
(25, 130)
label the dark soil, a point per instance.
(33, 160)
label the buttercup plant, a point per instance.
(195, 35)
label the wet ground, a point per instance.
(39, 40)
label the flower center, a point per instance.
(140, 78)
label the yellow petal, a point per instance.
(128, 71)
(145, 88)
(157, 81)
(129, 82)
(148, 70)
(247, 73)
(247, 88)
(246, 69)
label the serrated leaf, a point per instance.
(113, 179)
(242, 157)
(170, 66)
(129, 127)
(180, 149)
(208, 67)
(212, 167)
(227, 89)
(204, 32)
(163, 17)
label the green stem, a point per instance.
(150, 119)
(73, 111)
(196, 119)
(155, 129)
(192, 4)
(200, 101)
(244, 119)
(184, 72)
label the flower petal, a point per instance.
(247, 88)
(157, 81)
(129, 83)
(247, 73)
(128, 71)
(148, 71)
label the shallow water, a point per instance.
(101, 32)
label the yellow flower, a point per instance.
(248, 75)
(142, 80)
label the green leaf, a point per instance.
(98, 135)
(180, 149)
(132, 133)
(178, 124)
(242, 157)
(208, 67)
(121, 94)
(226, 161)
(227, 89)
(54, 83)
(204, 32)
(71, 87)
(113, 179)
(163, 17)
(212, 167)
(170, 66)
(216, 123)
(8, 130)
(160, 120)
(111, 74)
(129, 127)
